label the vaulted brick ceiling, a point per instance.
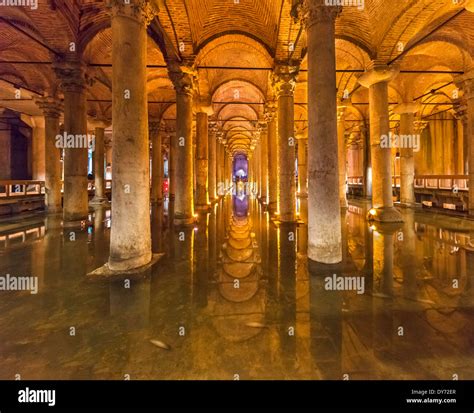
(248, 33)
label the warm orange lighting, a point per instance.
(373, 212)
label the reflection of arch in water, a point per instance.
(236, 308)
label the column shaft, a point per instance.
(303, 167)
(272, 164)
(99, 166)
(407, 162)
(184, 191)
(52, 163)
(202, 155)
(130, 238)
(157, 167)
(38, 146)
(212, 172)
(264, 165)
(342, 158)
(324, 219)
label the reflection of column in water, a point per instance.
(131, 306)
(157, 229)
(99, 236)
(52, 246)
(183, 248)
(201, 275)
(326, 329)
(287, 288)
(408, 262)
(468, 298)
(384, 327)
(303, 325)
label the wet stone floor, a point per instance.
(235, 297)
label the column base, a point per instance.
(328, 254)
(98, 200)
(203, 208)
(106, 271)
(78, 223)
(127, 264)
(408, 204)
(157, 202)
(54, 209)
(387, 214)
(183, 220)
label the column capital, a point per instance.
(408, 107)
(213, 128)
(97, 122)
(468, 5)
(72, 75)
(460, 109)
(465, 82)
(270, 111)
(341, 112)
(141, 11)
(310, 12)
(154, 126)
(184, 78)
(50, 106)
(377, 72)
(420, 125)
(284, 79)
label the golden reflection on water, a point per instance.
(233, 298)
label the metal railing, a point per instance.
(12, 189)
(430, 182)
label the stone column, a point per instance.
(407, 162)
(51, 109)
(38, 147)
(466, 83)
(264, 162)
(183, 80)
(284, 82)
(130, 238)
(270, 117)
(75, 196)
(99, 161)
(342, 158)
(303, 167)
(219, 163)
(376, 79)
(202, 157)
(212, 172)
(155, 132)
(324, 219)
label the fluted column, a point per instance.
(130, 238)
(284, 82)
(52, 110)
(183, 80)
(324, 220)
(376, 79)
(407, 161)
(202, 157)
(74, 80)
(271, 118)
(155, 131)
(342, 158)
(99, 161)
(466, 83)
(212, 172)
(303, 167)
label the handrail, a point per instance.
(10, 189)
(444, 182)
